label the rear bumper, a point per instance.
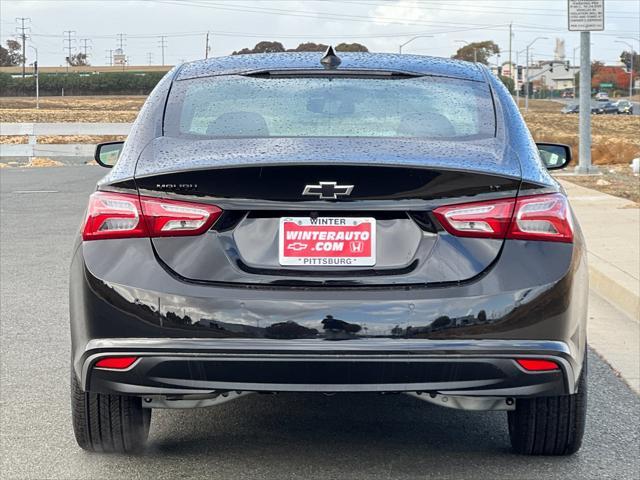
(207, 366)
(457, 340)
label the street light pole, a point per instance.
(631, 70)
(37, 75)
(526, 97)
(411, 40)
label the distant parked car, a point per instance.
(605, 108)
(574, 108)
(625, 107)
(602, 97)
(567, 94)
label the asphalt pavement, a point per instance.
(258, 436)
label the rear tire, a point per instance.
(108, 423)
(550, 425)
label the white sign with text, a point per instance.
(586, 15)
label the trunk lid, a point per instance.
(395, 183)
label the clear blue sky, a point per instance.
(381, 25)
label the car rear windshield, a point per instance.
(329, 106)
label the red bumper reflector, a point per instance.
(116, 363)
(537, 365)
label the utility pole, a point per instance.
(575, 74)
(37, 75)
(23, 34)
(510, 38)
(109, 52)
(585, 17)
(163, 45)
(150, 57)
(120, 57)
(86, 47)
(206, 46)
(526, 76)
(574, 71)
(120, 41)
(68, 34)
(526, 82)
(584, 165)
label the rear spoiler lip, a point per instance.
(426, 166)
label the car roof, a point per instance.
(358, 61)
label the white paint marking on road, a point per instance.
(36, 191)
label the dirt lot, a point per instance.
(58, 139)
(615, 180)
(117, 109)
(615, 142)
(615, 138)
(71, 109)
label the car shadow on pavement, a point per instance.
(340, 425)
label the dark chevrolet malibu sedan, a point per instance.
(306, 223)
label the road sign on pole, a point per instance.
(585, 16)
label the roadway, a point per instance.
(284, 436)
(571, 101)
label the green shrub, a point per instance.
(509, 83)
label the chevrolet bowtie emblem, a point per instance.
(327, 190)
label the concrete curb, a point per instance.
(616, 339)
(605, 283)
(611, 226)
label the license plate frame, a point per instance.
(357, 243)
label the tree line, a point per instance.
(74, 83)
(276, 47)
(132, 83)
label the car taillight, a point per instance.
(479, 219)
(542, 217)
(170, 218)
(536, 217)
(113, 215)
(123, 215)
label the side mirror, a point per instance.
(554, 155)
(107, 154)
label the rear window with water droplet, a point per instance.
(326, 106)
